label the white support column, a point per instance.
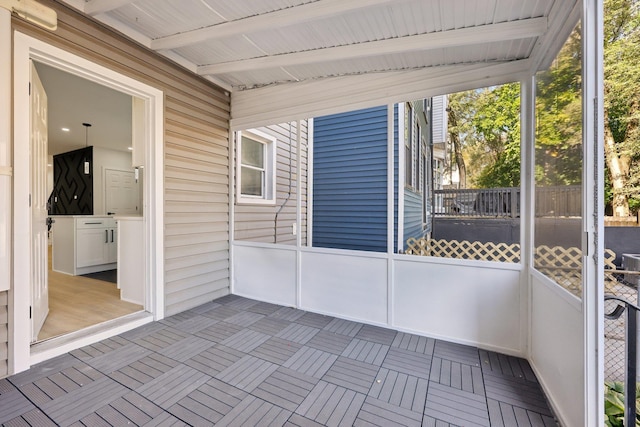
(527, 204)
(390, 213)
(5, 150)
(593, 211)
(232, 206)
(298, 212)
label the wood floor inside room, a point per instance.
(76, 302)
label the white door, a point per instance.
(122, 193)
(39, 213)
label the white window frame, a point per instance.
(269, 143)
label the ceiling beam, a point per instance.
(279, 18)
(445, 39)
(96, 7)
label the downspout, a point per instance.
(286, 200)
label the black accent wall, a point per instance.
(72, 188)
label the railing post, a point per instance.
(630, 385)
(514, 202)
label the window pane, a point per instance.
(558, 169)
(252, 181)
(252, 153)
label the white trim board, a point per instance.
(27, 48)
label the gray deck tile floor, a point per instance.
(237, 362)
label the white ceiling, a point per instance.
(72, 101)
(309, 49)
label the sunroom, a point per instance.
(295, 70)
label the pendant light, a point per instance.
(87, 166)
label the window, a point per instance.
(256, 167)
(408, 142)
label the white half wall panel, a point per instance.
(473, 304)
(557, 349)
(265, 273)
(345, 284)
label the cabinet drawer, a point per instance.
(95, 223)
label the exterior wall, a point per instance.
(440, 121)
(350, 180)
(413, 226)
(4, 333)
(274, 223)
(196, 120)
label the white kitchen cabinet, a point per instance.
(84, 244)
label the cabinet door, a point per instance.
(91, 246)
(112, 246)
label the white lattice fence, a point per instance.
(464, 249)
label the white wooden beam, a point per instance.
(312, 98)
(96, 7)
(279, 18)
(460, 37)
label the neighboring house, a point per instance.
(350, 165)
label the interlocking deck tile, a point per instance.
(195, 324)
(352, 374)
(366, 351)
(166, 420)
(244, 318)
(13, 404)
(144, 370)
(344, 327)
(400, 389)
(34, 417)
(92, 420)
(457, 353)
(276, 350)
(298, 333)
(432, 422)
(186, 348)
(375, 412)
(229, 298)
(161, 339)
(456, 406)
(143, 331)
(408, 362)
(116, 359)
(242, 304)
(269, 326)
(59, 383)
(99, 348)
(178, 318)
(83, 401)
(44, 369)
(247, 373)
(314, 320)
(246, 340)
(221, 313)
(331, 405)
(505, 415)
(296, 420)
(507, 365)
(264, 308)
(517, 392)
(330, 342)
(219, 332)
(208, 403)
(215, 359)
(376, 334)
(457, 375)
(201, 309)
(173, 385)
(255, 412)
(413, 342)
(288, 313)
(285, 388)
(310, 361)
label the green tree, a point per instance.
(488, 124)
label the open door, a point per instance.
(39, 211)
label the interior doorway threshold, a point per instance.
(53, 347)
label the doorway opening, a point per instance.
(108, 179)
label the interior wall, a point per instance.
(196, 122)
